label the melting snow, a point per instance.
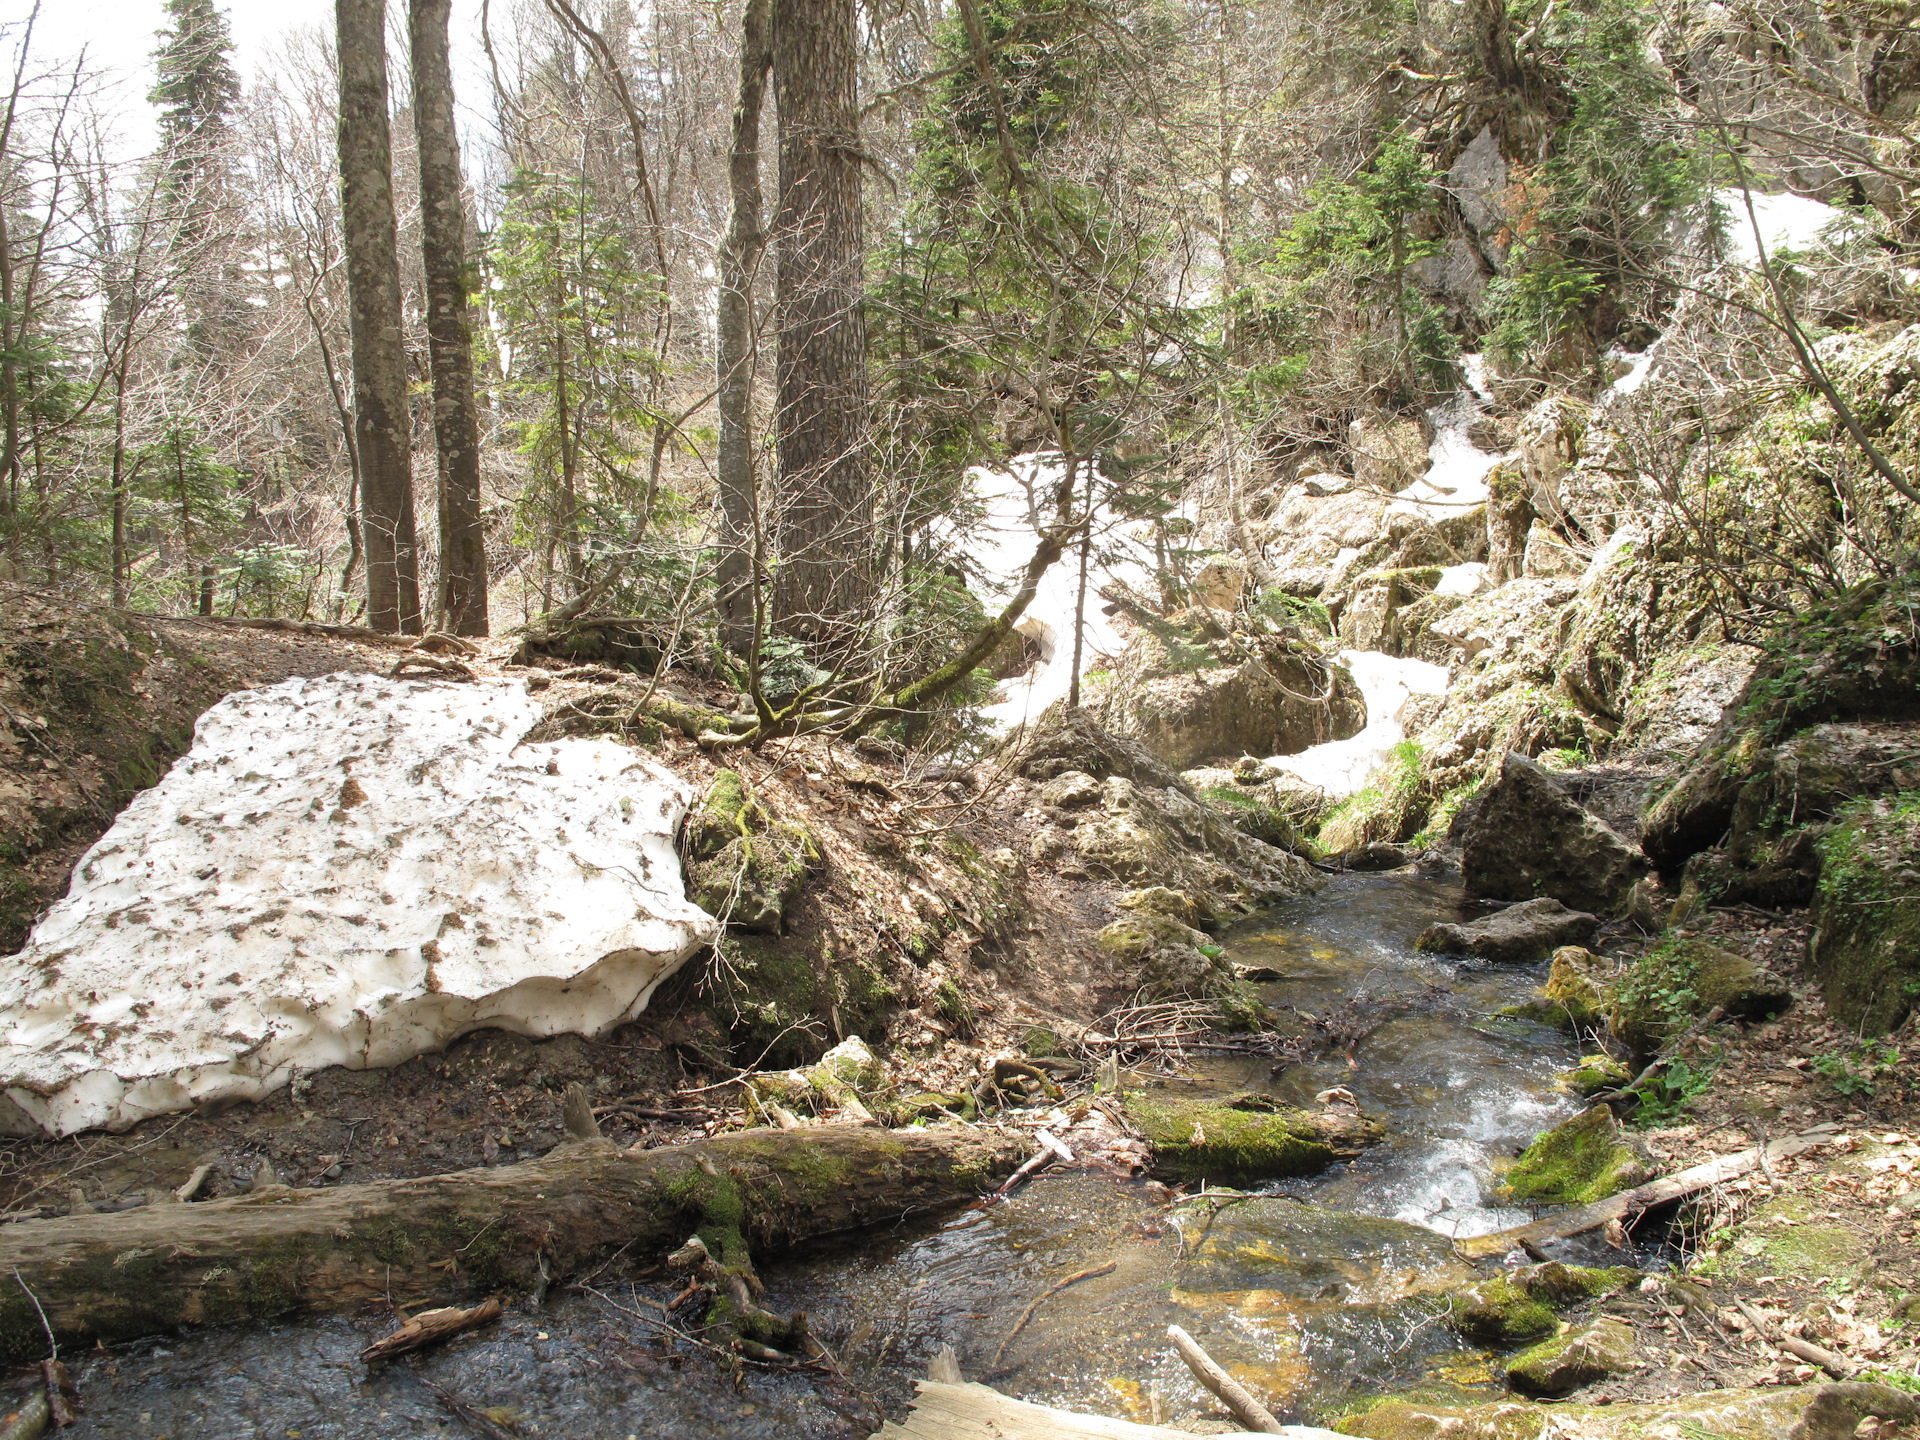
(1342, 767)
(344, 871)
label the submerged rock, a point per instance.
(1249, 1137)
(1577, 1162)
(1529, 838)
(1309, 1253)
(1579, 1356)
(1513, 936)
(345, 871)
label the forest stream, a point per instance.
(1307, 1307)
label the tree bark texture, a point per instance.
(443, 246)
(823, 588)
(382, 428)
(741, 249)
(443, 1238)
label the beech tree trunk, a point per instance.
(382, 428)
(823, 589)
(443, 246)
(474, 1232)
(741, 249)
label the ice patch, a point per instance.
(348, 871)
(1342, 767)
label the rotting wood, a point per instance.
(445, 1238)
(1643, 1197)
(430, 1327)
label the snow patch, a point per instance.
(348, 871)
(1787, 222)
(1343, 767)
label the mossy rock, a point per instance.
(1577, 1162)
(1791, 1235)
(1577, 1356)
(1136, 936)
(1679, 980)
(1755, 1414)
(1518, 1305)
(752, 879)
(1595, 1073)
(1169, 904)
(1866, 944)
(1246, 1138)
(1571, 999)
(728, 811)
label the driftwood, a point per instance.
(1644, 1197)
(445, 1238)
(1235, 1396)
(430, 1327)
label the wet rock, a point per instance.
(350, 871)
(1249, 1137)
(1309, 1253)
(1518, 1305)
(1865, 949)
(1375, 856)
(1577, 1162)
(1530, 839)
(1679, 980)
(1582, 1355)
(1513, 936)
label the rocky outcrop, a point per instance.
(1528, 839)
(345, 871)
(1865, 949)
(1191, 696)
(1516, 935)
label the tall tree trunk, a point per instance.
(380, 420)
(823, 589)
(740, 251)
(443, 245)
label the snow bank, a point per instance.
(344, 871)
(1457, 470)
(1343, 767)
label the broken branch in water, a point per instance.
(1041, 1299)
(430, 1327)
(1247, 1410)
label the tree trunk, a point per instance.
(474, 1232)
(740, 251)
(823, 587)
(382, 427)
(443, 246)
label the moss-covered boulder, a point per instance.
(1577, 1162)
(1578, 1356)
(1595, 1073)
(847, 1077)
(1247, 1137)
(1509, 1308)
(1679, 980)
(1866, 943)
(1276, 1246)
(1572, 998)
(745, 867)
(1530, 838)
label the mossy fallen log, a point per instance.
(445, 1238)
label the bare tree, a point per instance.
(382, 429)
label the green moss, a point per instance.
(1866, 947)
(1575, 1163)
(1199, 1139)
(1498, 1312)
(1574, 1358)
(1595, 1073)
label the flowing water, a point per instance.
(1306, 1307)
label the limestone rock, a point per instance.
(1548, 556)
(1572, 998)
(1064, 740)
(1530, 839)
(1478, 181)
(746, 867)
(1579, 1357)
(1502, 621)
(1577, 1162)
(1513, 936)
(345, 871)
(1221, 583)
(1769, 1411)
(1518, 1305)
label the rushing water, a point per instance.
(1304, 1316)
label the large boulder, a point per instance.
(345, 871)
(1516, 935)
(1865, 949)
(745, 866)
(1190, 697)
(1679, 980)
(1579, 1356)
(1529, 839)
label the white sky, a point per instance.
(119, 37)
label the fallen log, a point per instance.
(1641, 1198)
(444, 1238)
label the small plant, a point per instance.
(1861, 1071)
(1667, 1095)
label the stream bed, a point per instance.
(1306, 1307)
